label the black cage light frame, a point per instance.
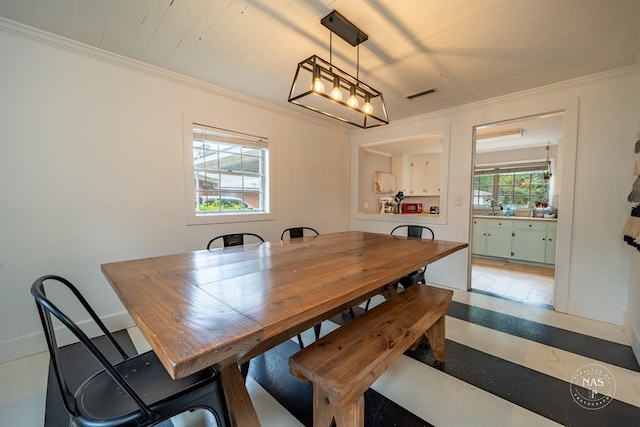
(365, 105)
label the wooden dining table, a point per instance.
(222, 307)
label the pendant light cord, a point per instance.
(358, 64)
(331, 50)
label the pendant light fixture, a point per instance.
(364, 107)
(547, 174)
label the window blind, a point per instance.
(206, 133)
(513, 168)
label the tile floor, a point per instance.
(519, 282)
(508, 364)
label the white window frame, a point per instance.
(193, 218)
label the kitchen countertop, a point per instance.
(516, 218)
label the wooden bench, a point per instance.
(343, 364)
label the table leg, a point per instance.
(241, 410)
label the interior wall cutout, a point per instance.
(411, 171)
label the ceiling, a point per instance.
(468, 50)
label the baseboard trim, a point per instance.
(27, 345)
(633, 334)
(593, 312)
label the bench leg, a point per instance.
(436, 336)
(322, 408)
(351, 415)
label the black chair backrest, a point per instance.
(415, 230)
(235, 239)
(45, 309)
(296, 232)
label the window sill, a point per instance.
(224, 218)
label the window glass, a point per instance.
(523, 186)
(229, 174)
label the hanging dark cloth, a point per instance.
(631, 229)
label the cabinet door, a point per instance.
(418, 176)
(478, 244)
(499, 238)
(529, 241)
(425, 175)
(434, 170)
(550, 247)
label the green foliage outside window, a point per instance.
(227, 204)
(513, 188)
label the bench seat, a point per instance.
(343, 364)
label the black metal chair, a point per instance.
(295, 233)
(235, 239)
(137, 391)
(415, 277)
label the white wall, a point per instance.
(602, 116)
(91, 172)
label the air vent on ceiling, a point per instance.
(422, 93)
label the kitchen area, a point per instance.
(514, 224)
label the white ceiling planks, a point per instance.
(468, 50)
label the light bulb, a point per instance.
(317, 85)
(336, 93)
(367, 108)
(352, 101)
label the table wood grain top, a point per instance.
(216, 307)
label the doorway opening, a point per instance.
(515, 200)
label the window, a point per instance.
(226, 174)
(520, 185)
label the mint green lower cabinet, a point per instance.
(491, 237)
(529, 244)
(550, 251)
(499, 238)
(517, 239)
(479, 238)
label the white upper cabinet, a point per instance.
(418, 175)
(401, 168)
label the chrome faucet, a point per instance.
(492, 203)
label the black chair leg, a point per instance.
(244, 369)
(316, 330)
(300, 343)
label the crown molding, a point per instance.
(540, 90)
(55, 41)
